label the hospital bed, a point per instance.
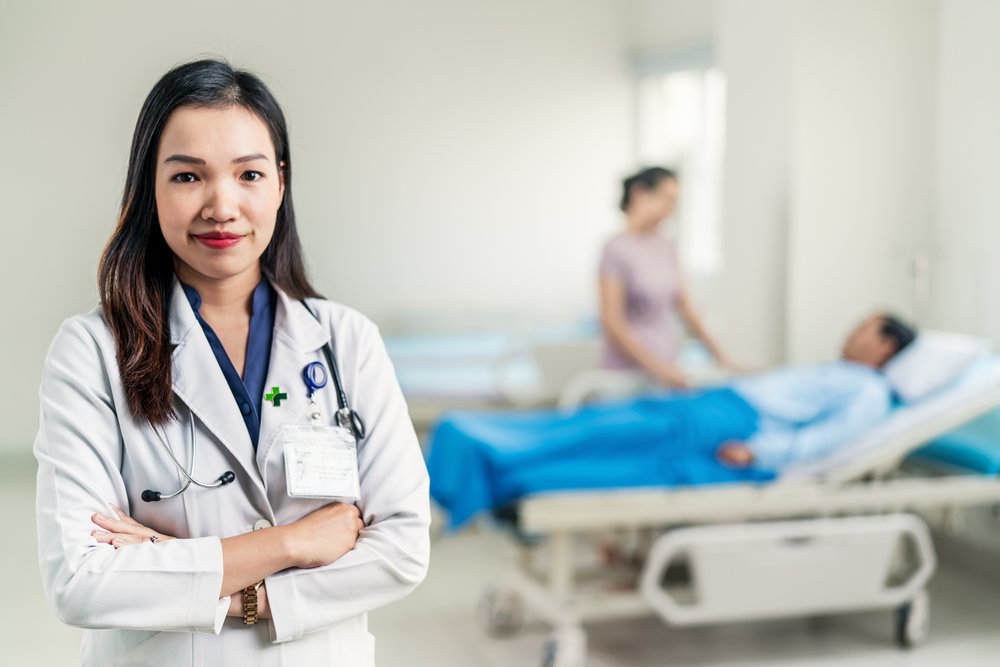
(835, 535)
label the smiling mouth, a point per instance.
(219, 240)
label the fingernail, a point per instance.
(101, 517)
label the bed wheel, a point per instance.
(500, 613)
(566, 648)
(913, 621)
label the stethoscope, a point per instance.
(314, 376)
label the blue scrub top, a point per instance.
(248, 391)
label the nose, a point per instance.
(222, 204)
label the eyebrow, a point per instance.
(188, 159)
(250, 158)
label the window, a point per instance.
(681, 124)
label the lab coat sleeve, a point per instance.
(391, 555)
(172, 585)
(774, 448)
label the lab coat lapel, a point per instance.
(199, 383)
(298, 339)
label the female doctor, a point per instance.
(227, 471)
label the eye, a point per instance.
(185, 177)
(252, 176)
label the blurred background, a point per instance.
(457, 167)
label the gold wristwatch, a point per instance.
(250, 603)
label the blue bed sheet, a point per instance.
(479, 461)
(975, 446)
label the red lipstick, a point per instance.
(219, 240)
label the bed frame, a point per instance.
(744, 551)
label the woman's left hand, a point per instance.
(729, 366)
(124, 530)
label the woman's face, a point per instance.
(218, 190)
(656, 205)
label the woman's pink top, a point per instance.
(647, 268)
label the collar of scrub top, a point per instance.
(296, 335)
(248, 391)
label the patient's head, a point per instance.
(877, 339)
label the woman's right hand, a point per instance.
(323, 536)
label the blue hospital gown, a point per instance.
(805, 411)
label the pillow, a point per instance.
(933, 360)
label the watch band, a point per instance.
(250, 603)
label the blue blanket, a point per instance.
(479, 461)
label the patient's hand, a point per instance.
(735, 453)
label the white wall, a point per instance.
(829, 185)
(862, 186)
(449, 156)
(754, 48)
(964, 267)
(656, 25)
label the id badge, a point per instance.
(321, 462)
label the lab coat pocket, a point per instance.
(132, 647)
(351, 646)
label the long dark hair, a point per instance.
(647, 179)
(136, 272)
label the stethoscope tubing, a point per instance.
(153, 496)
(346, 417)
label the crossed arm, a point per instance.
(317, 539)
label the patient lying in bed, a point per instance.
(807, 410)
(744, 431)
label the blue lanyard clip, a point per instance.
(315, 377)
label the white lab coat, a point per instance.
(158, 604)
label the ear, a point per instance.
(281, 180)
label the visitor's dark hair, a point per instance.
(647, 179)
(136, 271)
(899, 332)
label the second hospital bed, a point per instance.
(834, 535)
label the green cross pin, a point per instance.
(275, 396)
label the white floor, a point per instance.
(435, 625)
